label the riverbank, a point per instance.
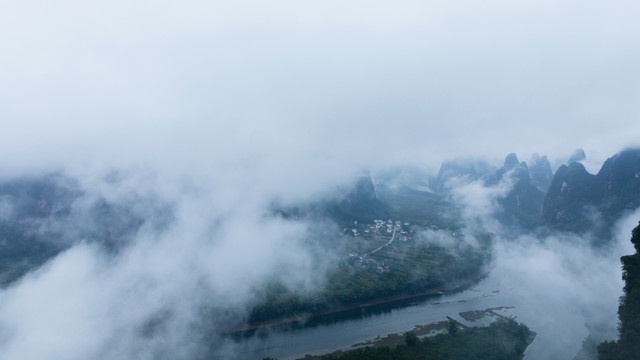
(387, 301)
(477, 318)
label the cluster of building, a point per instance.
(381, 227)
(390, 230)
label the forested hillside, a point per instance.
(628, 345)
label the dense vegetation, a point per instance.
(413, 267)
(628, 345)
(27, 209)
(502, 340)
(20, 257)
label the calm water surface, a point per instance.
(558, 337)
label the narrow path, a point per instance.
(393, 236)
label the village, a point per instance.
(379, 228)
(365, 242)
(369, 238)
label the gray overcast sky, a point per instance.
(340, 83)
(216, 108)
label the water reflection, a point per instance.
(557, 338)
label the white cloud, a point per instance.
(219, 108)
(120, 81)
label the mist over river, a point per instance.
(560, 288)
(559, 337)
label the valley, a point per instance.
(382, 246)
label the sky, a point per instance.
(340, 84)
(214, 109)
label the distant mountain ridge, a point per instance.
(522, 205)
(524, 201)
(572, 199)
(540, 171)
(461, 169)
(34, 211)
(360, 203)
(579, 201)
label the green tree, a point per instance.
(411, 339)
(452, 327)
(628, 344)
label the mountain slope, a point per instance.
(360, 203)
(541, 172)
(579, 201)
(628, 345)
(523, 203)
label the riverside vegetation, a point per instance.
(403, 268)
(504, 339)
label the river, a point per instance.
(560, 327)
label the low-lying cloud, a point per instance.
(153, 297)
(564, 288)
(358, 83)
(190, 120)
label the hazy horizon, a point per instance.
(196, 116)
(349, 84)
